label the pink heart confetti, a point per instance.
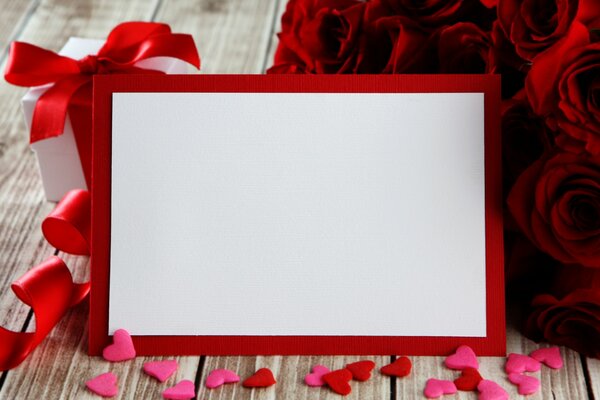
(104, 385)
(435, 388)
(315, 378)
(464, 357)
(219, 377)
(184, 390)
(549, 356)
(122, 348)
(161, 370)
(526, 384)
(519, 363)
(490, 390)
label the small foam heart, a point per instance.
(519, 363)
(104, 385)
(400, 368)
(526, 384)
(468, 380)
(464, 357)
(315, 378)
(339, 380)
(361, 370)
(549, 356)
(435, 388)
(490, 390)
(161, 370)
(121, 349)
(261, 378)
(184, 390)
(219, 377)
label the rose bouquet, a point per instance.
(548, 53)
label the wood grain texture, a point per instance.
(233, 36)
(12, 18)
(592, 371)
(567, 383)
(289, 372)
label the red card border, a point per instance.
(494, 344)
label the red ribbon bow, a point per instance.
(48, 288)
(127, 44)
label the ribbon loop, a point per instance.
(48, 288)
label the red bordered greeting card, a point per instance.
(246, 214)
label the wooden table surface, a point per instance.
(233, 36)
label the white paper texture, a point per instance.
(298, 214)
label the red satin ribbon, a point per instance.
(127, 44)
(48, 288)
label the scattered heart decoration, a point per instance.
(184, 390)
(519, 363)
(315, 378)
(161, 370)
(468, 380)
(121, 349)
(548, 356)
(104, 385)
(261, 378)
(220, 377)
(361, 370)
(464, 357)
(435, 388)
(339, 381)
(400, 368)
(526, 384)
(490, 390)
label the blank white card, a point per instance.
(298, 214)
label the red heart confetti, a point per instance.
(261, 378)
(339, 380)
(182, 391)
(160, 370)
(400, 368)
(464, 357)
(121, 349)
(519, 363)
(361, 370)
(104, 385)
(549, 356)
(435, 388)
(468, 380)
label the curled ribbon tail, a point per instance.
(49, 290)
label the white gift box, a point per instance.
(58, 157)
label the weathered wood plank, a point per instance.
(274, 41)
(12, 18)
(289, 372)
(57, 368)
(62, 357)
(232, 36)
(567, 383)
(592, 367)
(60, 366)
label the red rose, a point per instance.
(573, 321)
(319, 36)
(569, 311)
(404, 45)
(463, 48)
(589, 13)
(533, 26)
(505, 61)
(525, 137)
(432, 14)
(556, 203)
(564, 86)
